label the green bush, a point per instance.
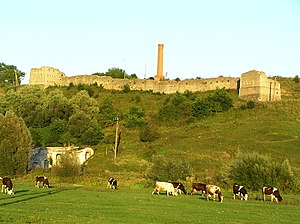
(67, 166)
(135, 117)
(148, 134)
(255, 171)
(175, 108)
(219, 100)
(165, 169)
(248, 105)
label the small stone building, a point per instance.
(46, 157)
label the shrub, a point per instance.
(248, 105)
(135, 117)
(296, 79)
(68, 166)
(255, 171)
(200, 108)
(175, 108)
(165, 169)
(148, 134)
(126, 88)
(219, 100)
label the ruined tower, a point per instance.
(159, 75)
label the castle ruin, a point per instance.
(252, 85)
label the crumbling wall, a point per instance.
(252, 85)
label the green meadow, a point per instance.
(65, 203)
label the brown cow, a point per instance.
(7, 185)
(198, 187)
(273, 192)
(179, 186)
(215, 191)
(42, 180)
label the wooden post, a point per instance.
(116, 139)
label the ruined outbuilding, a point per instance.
(46, 157)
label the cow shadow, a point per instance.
(28, 196)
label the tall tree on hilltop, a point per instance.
(9, 74)
(15, 145)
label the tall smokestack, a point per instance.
(160, 58)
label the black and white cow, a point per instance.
(273, 192)
(240, 191)
(42, 180)
(7, 185)
(198, 187)
(179, 186)
(112, 183)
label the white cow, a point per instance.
(164, 186)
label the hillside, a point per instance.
(209, 145)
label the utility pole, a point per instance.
(16, 77)
(117, 138)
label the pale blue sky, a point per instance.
(201, 38)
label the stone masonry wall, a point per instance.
(252, 85)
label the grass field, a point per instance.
(79, 204)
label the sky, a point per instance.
(202, 38)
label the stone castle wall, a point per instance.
(255, 85)
(252, 85)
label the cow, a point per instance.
(179, 186)
(213, 190)
(164, 186)
(273, 192)
(41, 180)
(112, 183)
(198, 187)
(7, 185)
(240, 191)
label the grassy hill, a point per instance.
(209, 145)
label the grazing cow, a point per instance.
(240, 191)
(273, 192)
(165, 186)
(41, 180)
(112, 183)
(215, 191)
(198, 187)
(179, 186)
(7, 185)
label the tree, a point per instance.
(57, 106)
(9, 74)
(117, 73)
(27, 103)
(83, 102)
(135, 117)
(15, 145)
(107, 112)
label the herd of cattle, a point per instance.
(171, 188)
(175, 188)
